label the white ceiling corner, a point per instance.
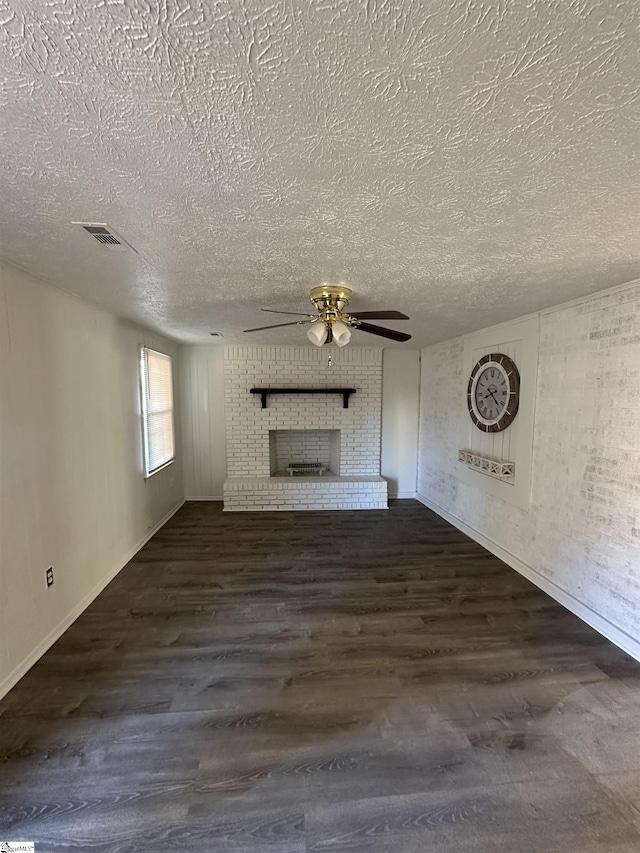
(464, 162)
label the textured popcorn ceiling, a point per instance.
(465, 161)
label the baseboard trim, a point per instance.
(617, 636)
(204, 498)
(403, 496)
(12, 679)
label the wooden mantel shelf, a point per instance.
(346, 393)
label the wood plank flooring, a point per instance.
(338, 681)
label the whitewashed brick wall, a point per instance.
(248, 425)
(582, 531)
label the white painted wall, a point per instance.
(580, 538)
(203, 421)
(72, 491)
(400, 410)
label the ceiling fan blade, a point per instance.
(384, 333)
(293, 313)
(279, 325)
(378, 315)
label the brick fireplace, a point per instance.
(316, 428)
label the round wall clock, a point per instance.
(493, 393)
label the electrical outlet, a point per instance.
(49, 576)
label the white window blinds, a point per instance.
(157, 409)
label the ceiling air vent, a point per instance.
(106, 236)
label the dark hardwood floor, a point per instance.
(337, 681)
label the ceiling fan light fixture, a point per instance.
(318, 334)
(333, 323)
(341, 333)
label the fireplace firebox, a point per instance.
(318, 450)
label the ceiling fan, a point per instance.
(332, 323)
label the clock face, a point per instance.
(493, 392)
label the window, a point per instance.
(157, 410)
